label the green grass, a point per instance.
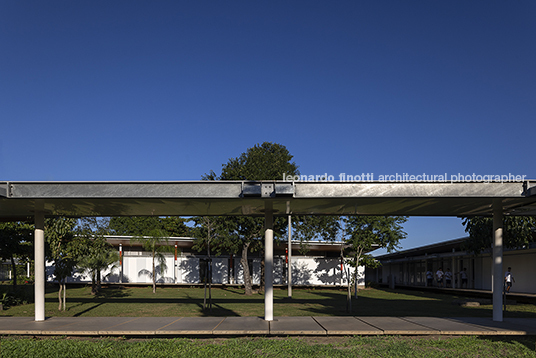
(188, 302)
(391, 346)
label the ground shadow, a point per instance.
(410, 303)
(88, 309)
(527, 341)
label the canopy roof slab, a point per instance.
(24, 200)
(20, 200)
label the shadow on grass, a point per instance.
(527, 341)
(88, 309)
(115, 292)
(325, 302)
(411, 303)
(216, 311)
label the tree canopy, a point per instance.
(99, 254)
(170, 226)
(266, 161)
(518, 231)
(16, 242)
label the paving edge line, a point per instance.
(261, 333)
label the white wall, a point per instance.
(138, 269)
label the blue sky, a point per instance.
(169, 90)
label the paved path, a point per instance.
(280, 326)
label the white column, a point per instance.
(268, 264)
(289, 257)
(175, 266)
(39, 267)
(497, 261)
(120, 263)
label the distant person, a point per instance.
(448, 278)
(509, 279)
(429, 278)
(439, 277)
(463, 276)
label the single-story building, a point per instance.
(314, 263)
(409, 267)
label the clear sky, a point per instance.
(169, 90)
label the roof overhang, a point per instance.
(20, 200)
(188, 242)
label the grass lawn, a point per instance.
(188, 302)
(386, 346)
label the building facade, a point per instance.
(313, 263)
(409, 267)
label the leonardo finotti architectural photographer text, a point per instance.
(408, 178)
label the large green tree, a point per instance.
(16, 242)
(266, 161)
(518, 231)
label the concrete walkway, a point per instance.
(251, 326)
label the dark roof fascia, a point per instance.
(188, 242)
(441, 247)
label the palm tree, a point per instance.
(100, 257)
(156, 243)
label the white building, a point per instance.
(319, 265)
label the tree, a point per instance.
(16, 241)
(266, 161)
(64, 248)
(518, 231)
(100, 255)
(141, 225)
(365, 233)
(156, 243)
(309, 227)
(207, 234)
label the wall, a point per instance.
(479, 270)
(137, 268)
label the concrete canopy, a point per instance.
(20, 200)
(24, 200)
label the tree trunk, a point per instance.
(93, 284)
(64, 292)
(245, 269)
(59, 296)
(356, 273)
(14, 268)
(154, 276)
(98, 280)
(349, 295)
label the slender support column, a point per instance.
(39, 267)
(497, 261)
(425, 272)
(453, 270)
(121, 263)
(289, 257)
(175, 266)
(268, 265)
